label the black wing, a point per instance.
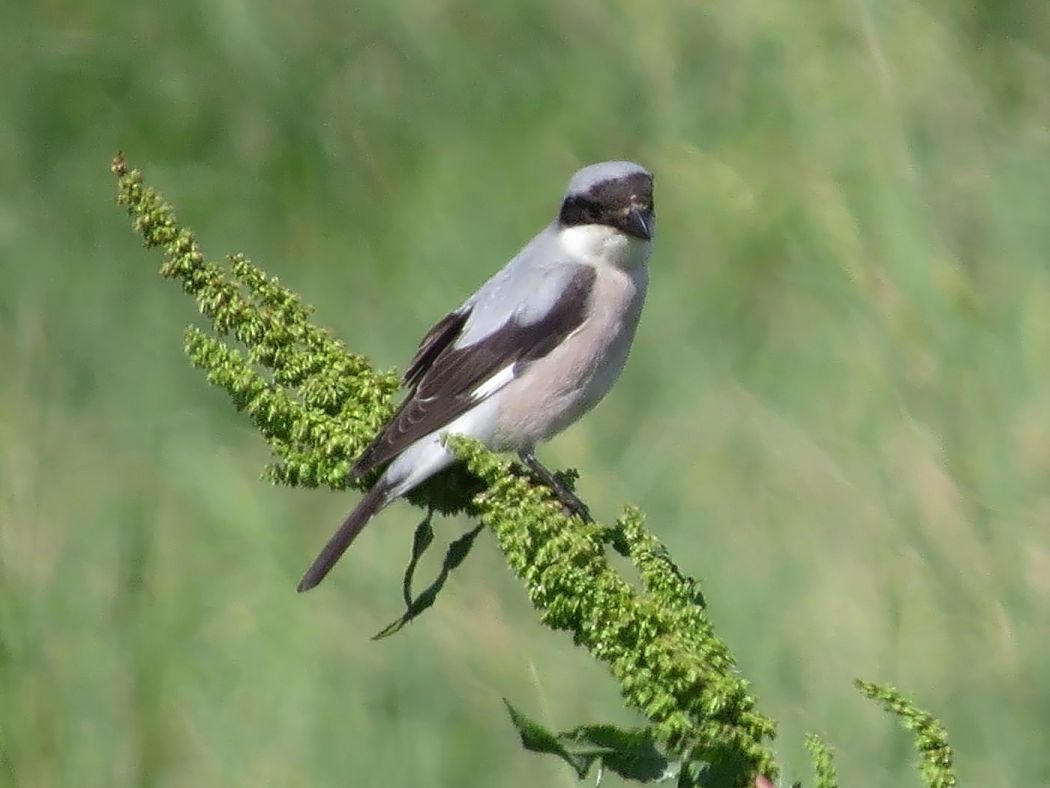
(437, 339)
(446, 377)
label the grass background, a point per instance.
(836, 412)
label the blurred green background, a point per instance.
(836, 413)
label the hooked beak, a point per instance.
(639, 223)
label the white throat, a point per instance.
(599, 244)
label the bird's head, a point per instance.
(608, 211)
(616, 194)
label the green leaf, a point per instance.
(717, 766)
(421, 540)
(414, 607)
(536, 738)
(632, 754)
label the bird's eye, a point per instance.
(580, 210)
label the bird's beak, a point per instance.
(639, 222)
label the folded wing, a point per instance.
(449, 378)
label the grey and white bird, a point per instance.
(536, 347)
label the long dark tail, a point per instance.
(374, 500)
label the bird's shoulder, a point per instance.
(526, 289)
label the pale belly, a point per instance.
(556, 390)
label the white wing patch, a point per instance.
(494, 383)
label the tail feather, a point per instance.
(374, 500)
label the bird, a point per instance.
(539, 344)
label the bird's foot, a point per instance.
(570, 503)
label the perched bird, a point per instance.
(536, 347)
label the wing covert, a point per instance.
(449, 380)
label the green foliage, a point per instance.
(658, 645)
(931, 739)
(823, 762)
(630, 754)
(318, 406)
(835, 412)
(416, 605)
(316, 403)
